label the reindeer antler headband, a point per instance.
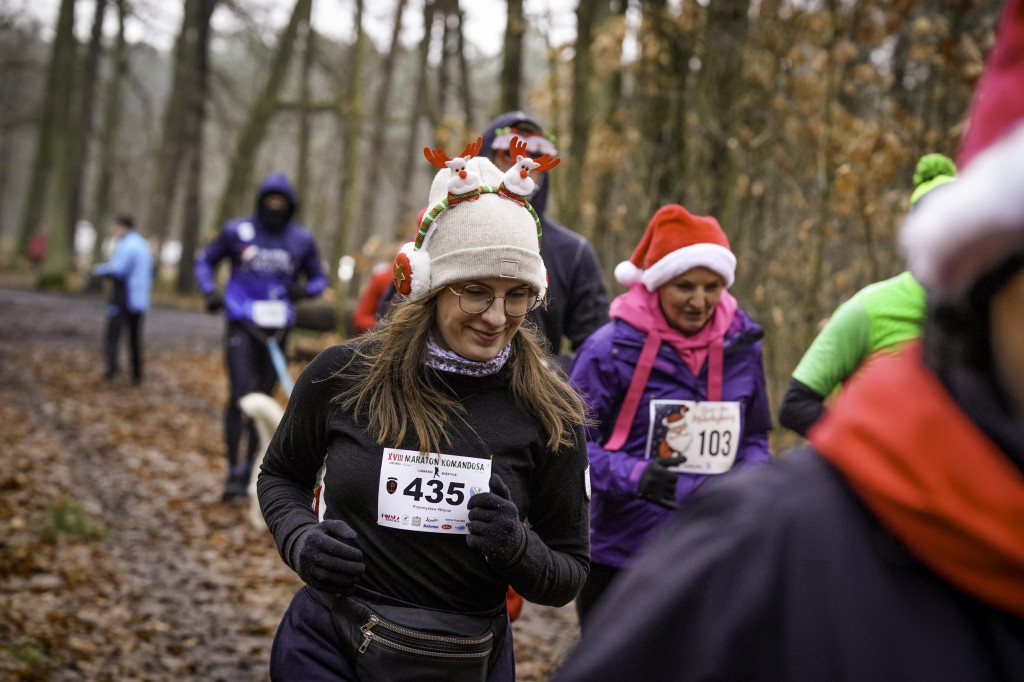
(464, 184)
(483, 239)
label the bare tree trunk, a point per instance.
(588, 15)
(239, 175)
(381, 115)
(444, 66)
(422, 58)
(53, 99)
(307, 40)
(464, 86)
(667, 68)
(169, 156)
(350, 114)
(82, 128)
(812, 302)
(101, 210)
(721, 79)
(195, 115)
(604, 233)
(61, 224)
(512, 56)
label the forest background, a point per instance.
(797, 123)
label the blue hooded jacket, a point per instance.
(132, 263)
(264, 263)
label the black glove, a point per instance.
(658, 484)
(213, 302)
(494, 525)
(297, 290)
(323, 557)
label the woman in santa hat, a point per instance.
(678, 344)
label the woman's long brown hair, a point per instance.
(388, 385)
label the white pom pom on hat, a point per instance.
(675, 242)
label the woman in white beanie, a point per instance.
(440, 430)
(676, 385)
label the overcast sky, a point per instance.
(159, 19)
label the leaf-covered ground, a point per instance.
(117, 559)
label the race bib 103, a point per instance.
(429, 492)
(707, 434)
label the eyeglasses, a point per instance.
(477, 298)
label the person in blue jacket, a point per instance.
(131, 269)
(274, 262)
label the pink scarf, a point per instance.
(640, 309)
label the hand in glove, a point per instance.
(213, 302)
(658, 484)
(297, 290)
(324, 557)
(494, 525)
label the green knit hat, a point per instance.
(932, 171)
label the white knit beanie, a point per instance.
(475, 228)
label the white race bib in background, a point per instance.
(273, 314)
(707, 434)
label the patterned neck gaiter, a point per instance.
(449, 361)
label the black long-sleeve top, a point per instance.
(431, 569)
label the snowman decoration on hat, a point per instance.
(412, 266)
(517, 183)
(464, 183)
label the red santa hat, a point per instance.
(998, 102)
(674, 242)
(968, 227)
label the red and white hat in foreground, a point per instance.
(970, 226)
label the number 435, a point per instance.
(455, 494)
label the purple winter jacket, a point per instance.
(620, 522)
(264, 262)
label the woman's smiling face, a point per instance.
(688, 301)
(478, 336)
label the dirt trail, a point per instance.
(156, 580)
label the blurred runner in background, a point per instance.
(274, 262)
(130, 268)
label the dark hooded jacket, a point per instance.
(577, 299)
(265, 260)
(892, 551)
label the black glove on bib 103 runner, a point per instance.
(494, 525)
(324, 558)
(658, 484)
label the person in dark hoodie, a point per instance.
(894, 548)
(577, 298)
(274, 262)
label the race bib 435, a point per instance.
(428, 493)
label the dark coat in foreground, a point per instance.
(895, 555)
